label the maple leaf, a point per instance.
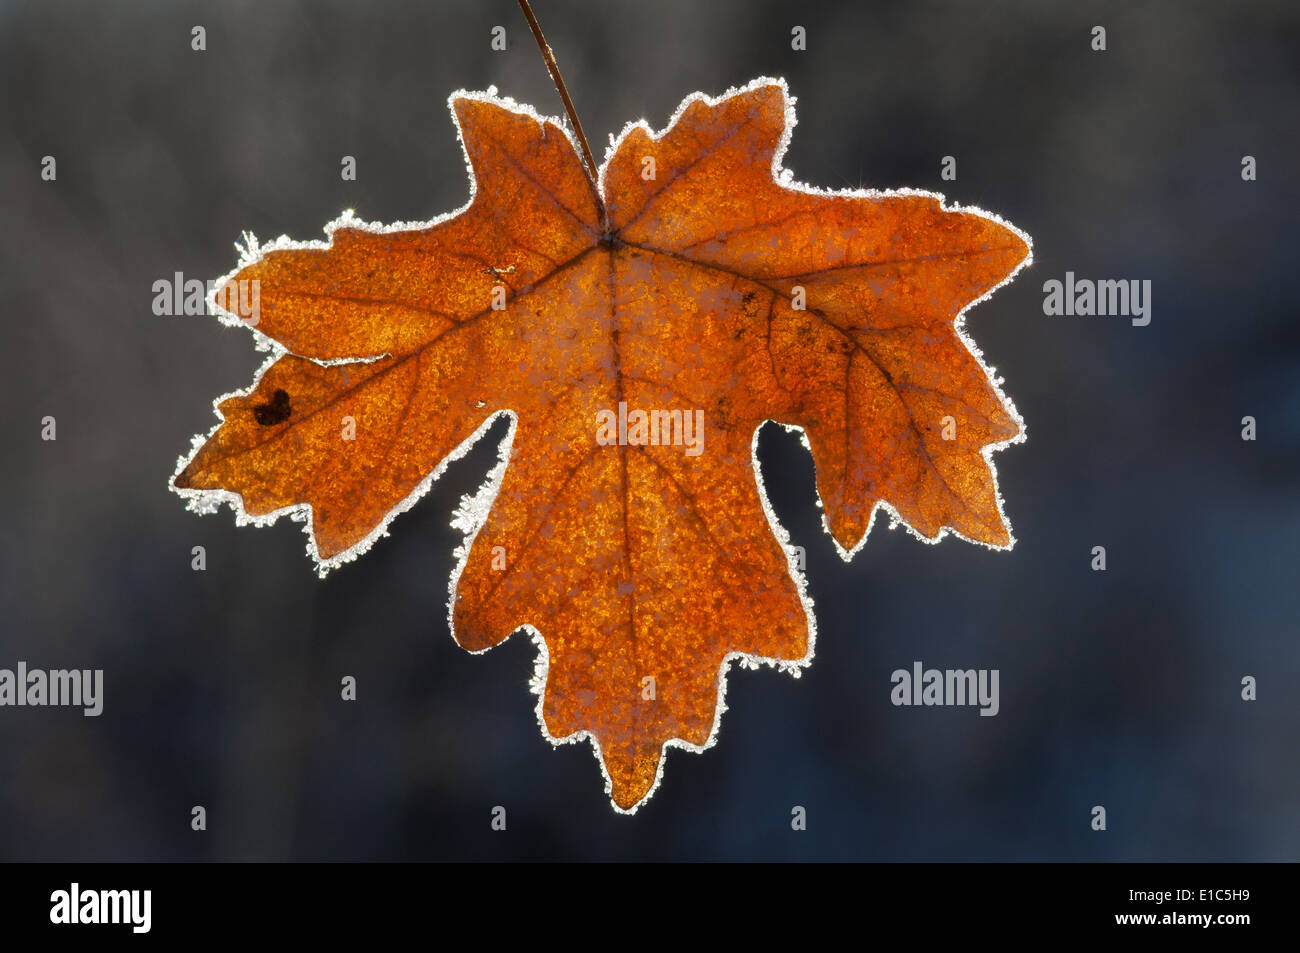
(717, 287)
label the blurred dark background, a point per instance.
(1119, 688)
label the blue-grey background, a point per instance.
(1119, 688)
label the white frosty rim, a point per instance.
(473, 510)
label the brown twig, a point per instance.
(589, 164)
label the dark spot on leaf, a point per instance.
(277, 411)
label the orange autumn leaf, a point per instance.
(626, 526)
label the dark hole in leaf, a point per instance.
(275, 412)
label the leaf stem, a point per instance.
(589, 164)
